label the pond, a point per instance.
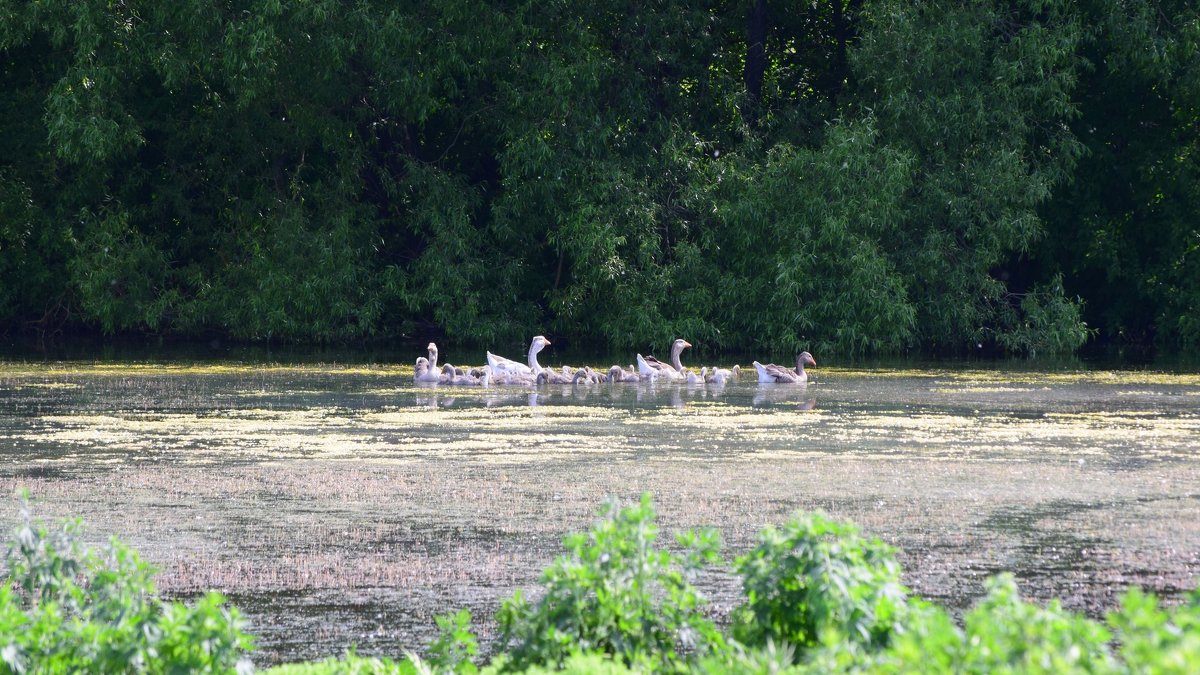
(341, 505)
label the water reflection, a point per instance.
(651, 394)
(769, 394)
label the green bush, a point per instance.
(578, 664)
(1002, 633)
(819, 599)
(817, 581)
(66, 609)
(350, 664)
(615, 593)
(1156, 641)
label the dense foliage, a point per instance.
(820, 598)
(68, 609)
(615, 593)
(851, 175)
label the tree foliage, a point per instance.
(850, 175)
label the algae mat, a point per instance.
(343, 506)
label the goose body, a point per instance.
(464, 380)
(500, 365)
(423, 373)
(619, 374)
(508, 377)
(721, 376)
(650, 368)
(550, 376)
(780, 375)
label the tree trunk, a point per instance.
(756, 61)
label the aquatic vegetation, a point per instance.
(345, 505)
(818, 599)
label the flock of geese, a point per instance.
(500, 370)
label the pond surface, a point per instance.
(344, 505)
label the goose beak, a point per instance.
(547, 341)
(686, 343)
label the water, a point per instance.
(341, 505)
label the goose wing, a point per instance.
(500, 365)
(774, 373)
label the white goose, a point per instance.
(501, 365)
(511, 377)
(781, 375)
(650, 368)
(423, 373)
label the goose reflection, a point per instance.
(432, 396)
(767, 394)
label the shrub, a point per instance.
(1155, 641)
(350, 664)
(615, 593)
(1004, 632)
(65, 608)
(1001, 634)
(817, 581)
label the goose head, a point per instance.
(539, 343)
(804, 359)
(677, 348)
(433, 354)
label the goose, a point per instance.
(433, 355)
(551, 376)
(721, 376)
(510, 377)
(619, 374)
(697, 378)
(650, 367)
(464, 380)
(500, 364)
(422, 372)
(779, 374)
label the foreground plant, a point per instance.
(65, 609)
(817, 580)
(819, 599)
(616, 593)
